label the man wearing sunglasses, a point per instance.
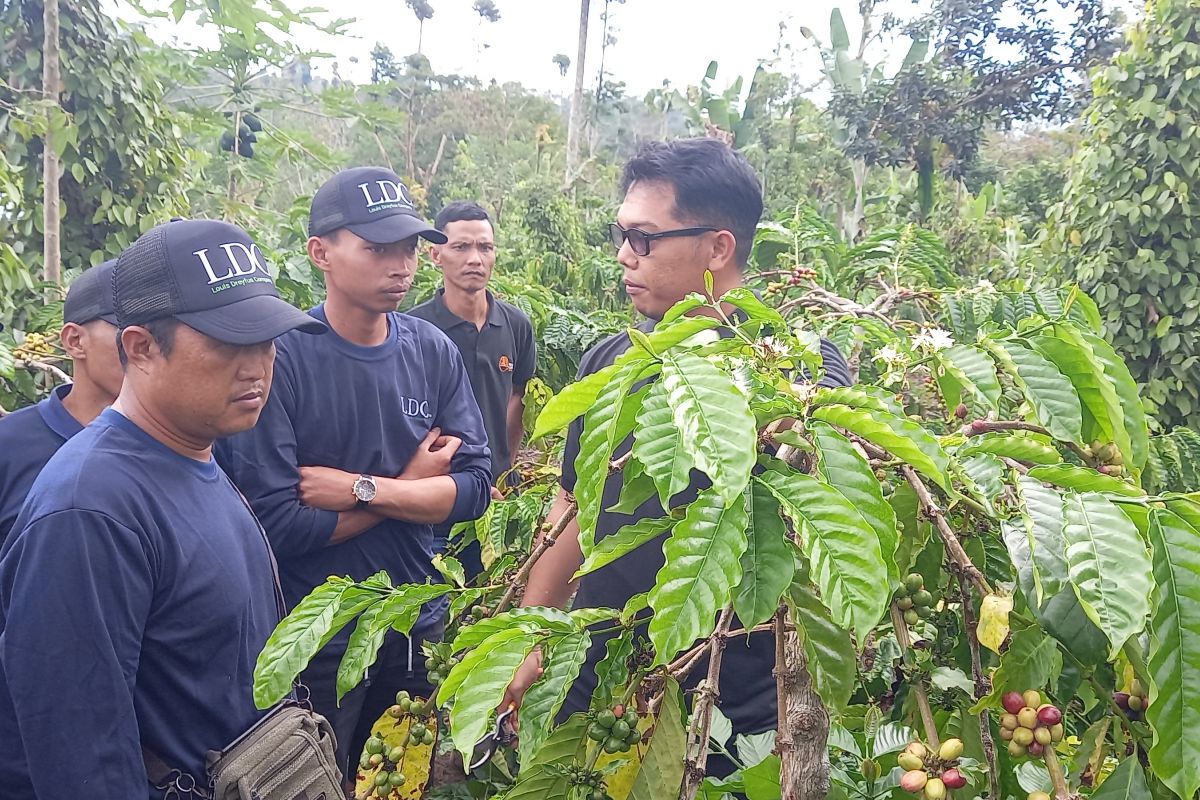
(690, 207)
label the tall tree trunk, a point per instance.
(603, 50)
(51, 212)
(575, 125)
(420, 34)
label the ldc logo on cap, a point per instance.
(252, 262)
(391, 195)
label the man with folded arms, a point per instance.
(371, 437)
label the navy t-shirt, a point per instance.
(28, 437)
(749, 698)
(363, 410)
(135, 597)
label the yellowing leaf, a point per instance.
(993, 620)
(415, 765)
(1076, 238)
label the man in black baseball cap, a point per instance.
(373, 204)
(136, 589)
(29, 437)
(371, 437)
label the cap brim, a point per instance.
(251, 321)
(396, 228)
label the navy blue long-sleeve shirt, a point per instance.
(28, 437)
(135, 596)
(363, 410)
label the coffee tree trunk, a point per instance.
(803, 735)
(51, 245)
(575, 124)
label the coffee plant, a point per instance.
(976, 561)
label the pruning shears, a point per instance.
(501, 733)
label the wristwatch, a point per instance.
(364, 491)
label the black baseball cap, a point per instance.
(210, 276)
(373, 203)
(90, 296)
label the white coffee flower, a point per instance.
(933, 340)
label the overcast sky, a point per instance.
(655, 39)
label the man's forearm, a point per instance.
(425, 500)
(352, 523)
(515, 428)
(550, 579)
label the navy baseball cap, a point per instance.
(373, 204)
(210, 276)
(90, 296)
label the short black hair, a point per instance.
(460, 211)
(162, 329)
(713, 183)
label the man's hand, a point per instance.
(432, 457)
(497, 494)
(528, 673)
(327, 488)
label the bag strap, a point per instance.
(175, 782)
(280, 604)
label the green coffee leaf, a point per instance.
(294, 642)
(562, 659)
(572, 402)
(1083, 479)
(485, 673)
(624, 541)
(659, 447)
(714, 419)
(1108, 566)
(827, 646)
(844, 468)
(767, 564)
(703, 565)
(1031, 659)
(901, 437)
(1031, 448)
(973, 370)
(841, 548)
(661, 769)
(531, 618)
(543, 777)
(1128, 782)
(596, 443)
(1174, 710)
(1055, 403)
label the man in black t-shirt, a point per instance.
(494, 337)
(29, 437)
(690, 206)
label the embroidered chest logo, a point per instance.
(505, 364)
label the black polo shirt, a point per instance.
(498, 357)
(749, 699)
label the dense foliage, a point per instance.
(1126, 229)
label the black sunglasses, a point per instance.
(639, 240)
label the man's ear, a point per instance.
(73, 338)
(318, 253)
(140, 347)
(723, 255)
(435, 255)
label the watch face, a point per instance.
(364, 489)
